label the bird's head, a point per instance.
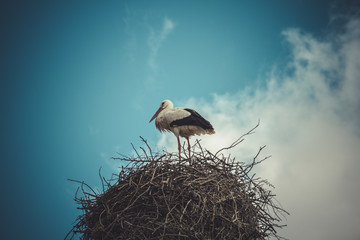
(166, 104)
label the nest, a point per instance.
(159, 196)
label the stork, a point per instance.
(183, 122)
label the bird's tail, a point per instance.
(210, 131)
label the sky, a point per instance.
(80, 82)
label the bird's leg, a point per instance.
(179, 147)
(188, 145)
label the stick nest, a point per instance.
(159, 196)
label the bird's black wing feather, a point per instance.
(195, 119)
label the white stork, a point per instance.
(181, 121)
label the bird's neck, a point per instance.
(167, 109)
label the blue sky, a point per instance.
(80, 81)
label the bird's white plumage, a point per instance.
(167, 116)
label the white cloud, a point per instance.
(310, 114)
(156, 39)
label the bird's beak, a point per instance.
(157, 113)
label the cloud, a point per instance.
(310, 114)
(156, 39)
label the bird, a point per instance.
(183, 122)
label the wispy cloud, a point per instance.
(156, 39)
(310, 114)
